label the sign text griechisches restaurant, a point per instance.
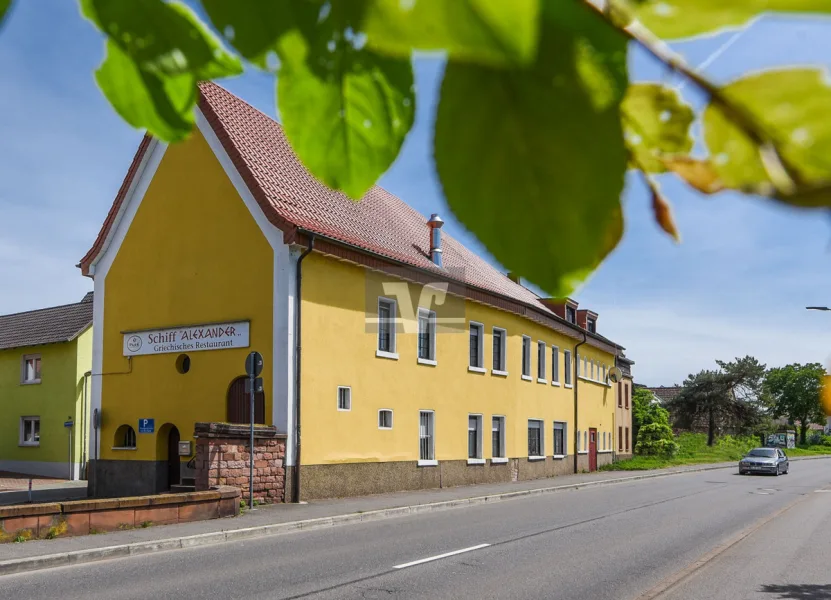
(217, 336)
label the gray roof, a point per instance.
(46, 326)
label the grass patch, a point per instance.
(695, 451)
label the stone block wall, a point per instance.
(223, 454)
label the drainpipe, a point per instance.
(297, 364)
(85, 420)
(576, 382)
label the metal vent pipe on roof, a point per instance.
(435, 224)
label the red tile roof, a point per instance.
(292, 198)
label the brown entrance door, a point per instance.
(239, 403)
(592, 449)
(173, 464)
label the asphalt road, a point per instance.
(613, 542)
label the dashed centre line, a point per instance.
(440, 556)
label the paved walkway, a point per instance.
(14, 488)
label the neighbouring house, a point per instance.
(45, 362)
(665, 393)
(420, 364)
(623, 412)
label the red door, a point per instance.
(592, 449)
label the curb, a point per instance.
(49, 561)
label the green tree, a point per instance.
(731, 397)
(654, 435)
(796, 390)
(536, 105)
(646, 410)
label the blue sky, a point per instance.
(737, 285)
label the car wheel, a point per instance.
(778, 471)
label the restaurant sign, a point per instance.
(219, 336)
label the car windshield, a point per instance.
(763, 452)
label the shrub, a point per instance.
(656, 439)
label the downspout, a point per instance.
(576, 381)
(84, 449)
(295, 480)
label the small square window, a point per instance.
(30, 369)
(385, 419)
(29, 431)
(344, 398)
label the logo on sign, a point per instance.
(134, 343)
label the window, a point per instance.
(555, 365)
(620, 439)
(585, 367)
(526, 357)
(578, 441)
(560, 439)
(385, 419)
(183, 363)
(426, 336)
(591, 325)
(474, 438)
(591, 369)
(620, 395)
(586, 441)
(571, 314)
(567, 366)
(628, 390)
(125, 438)
(344, 398)
(626, 437)
(603, 374)
(498, 438)
(535, 439)
(603, 442)
(426, 440)
(386, 328)
(500, 340)
(30, 369)
(30, 431)
(541, 362)
(477, 346)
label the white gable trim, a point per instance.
(284, 283)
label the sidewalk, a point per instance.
(14, 489)
(280, 518)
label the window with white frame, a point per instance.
(344, 397)
(571, 314)
(555, 364)
(500, 346)
(541, 361)
(474, 437)
(567, 366)
(591, 325)
(603, 444)
(30, 369)
(591, 369)
(426, 440)
(526, 356)
(535, 439)
(477, 346)
(125, 438)
(585, 362)
(498, 437)
(385, 418)
(603, 374)
(578, 442)
(585, 440)
(560, 438)
(30, 431)
(386, 326)
(426, 335)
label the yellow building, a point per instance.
(420, 364)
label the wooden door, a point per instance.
(592, 449)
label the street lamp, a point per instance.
(817, 308)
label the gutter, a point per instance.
(576, 383)
(295, 480)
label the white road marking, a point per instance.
(445, 555)
(821, 491)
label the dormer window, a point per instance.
(591, 325)
(571, 315)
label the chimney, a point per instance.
(513, 276)
(435, 224)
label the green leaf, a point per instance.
(166, 38)
(4, 9)
(793, 107)
(346, 110)
(518, 151)
(673, 19)
(489, 32)
(161, 105)
(255, 28)
(656, 123)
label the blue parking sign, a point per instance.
(147, 425)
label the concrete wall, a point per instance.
(109, 478)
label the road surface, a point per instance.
(631, 540)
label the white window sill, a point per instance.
(604, 451)
(499, 460)
(428, 463)
(568, 386)
(427, 361)
(527, 378)
(29, 445)
(133, 448)
(344, 410)
(541, 380)
(385, 428)
(557, 383)
(477, 369)
(533, 458)
(30, 382)
(559, 456)
(582, 452)
(476, 461)
(499, 373)
(390, 355)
